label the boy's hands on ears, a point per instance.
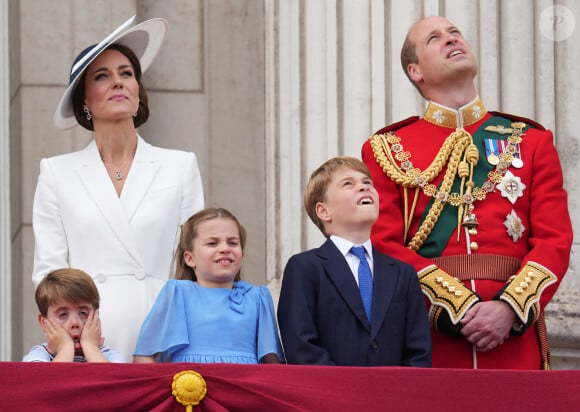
(91, 338)
(58, 342)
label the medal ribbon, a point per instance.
(447, 222)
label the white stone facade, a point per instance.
(263, 91)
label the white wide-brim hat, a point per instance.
(144, 39)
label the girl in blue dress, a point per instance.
(207, 314)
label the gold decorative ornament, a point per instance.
(525, 289)
(499, 129)
(460, 155)
(188, 388)
(446, 292)
(453, 119)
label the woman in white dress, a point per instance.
(115, 208)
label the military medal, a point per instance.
(491, 150)
(511, 187)
(517, 162)
(510, 150)
(514, 226)
(515, 140)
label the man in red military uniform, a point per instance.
(475, 201)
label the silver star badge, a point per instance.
(511, 187)
(515, 228)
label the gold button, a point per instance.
(451, 289)
(474, 246)
(519, 290)
(439, 279)
(445, 283)
(528, 279)
(458, 293)
(523, 285)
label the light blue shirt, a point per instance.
(39, 354)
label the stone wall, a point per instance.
(264, 90)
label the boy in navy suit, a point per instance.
(345, 305)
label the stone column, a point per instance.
(5, 243)
(563, 313)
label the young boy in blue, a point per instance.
(68, 302)
(325, 318)
(207, 314)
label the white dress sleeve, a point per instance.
(51, 247)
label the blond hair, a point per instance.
(317, 185)
(189, 231)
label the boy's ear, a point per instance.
(189, 259)
(41, 322)
(323, 212)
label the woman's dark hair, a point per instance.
(79, 92)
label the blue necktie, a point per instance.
(365, 279)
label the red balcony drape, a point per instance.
(128, 387)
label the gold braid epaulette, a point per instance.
(524, 290)
(409, 178)
(450, 153)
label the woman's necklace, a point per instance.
(117, 170)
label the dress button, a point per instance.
(101, 278)
(374, 344)
(140, 274)
(474, 246)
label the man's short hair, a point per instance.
(409, 56)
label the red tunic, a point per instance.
(534, 260)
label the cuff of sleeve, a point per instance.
(523, 291)
(448, 294)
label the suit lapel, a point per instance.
(97, 183)
(143, 170)
(384, 283)
(340, 274)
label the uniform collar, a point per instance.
(467, 115)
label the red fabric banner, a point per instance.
(128, 387)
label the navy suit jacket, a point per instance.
(322, 318)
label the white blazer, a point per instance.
(125, 243)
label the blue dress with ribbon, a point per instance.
(192, 323)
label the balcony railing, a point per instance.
(222, 387)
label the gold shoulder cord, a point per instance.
(457, 145)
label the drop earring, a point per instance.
(87, 111)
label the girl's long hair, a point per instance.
(189, 231)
